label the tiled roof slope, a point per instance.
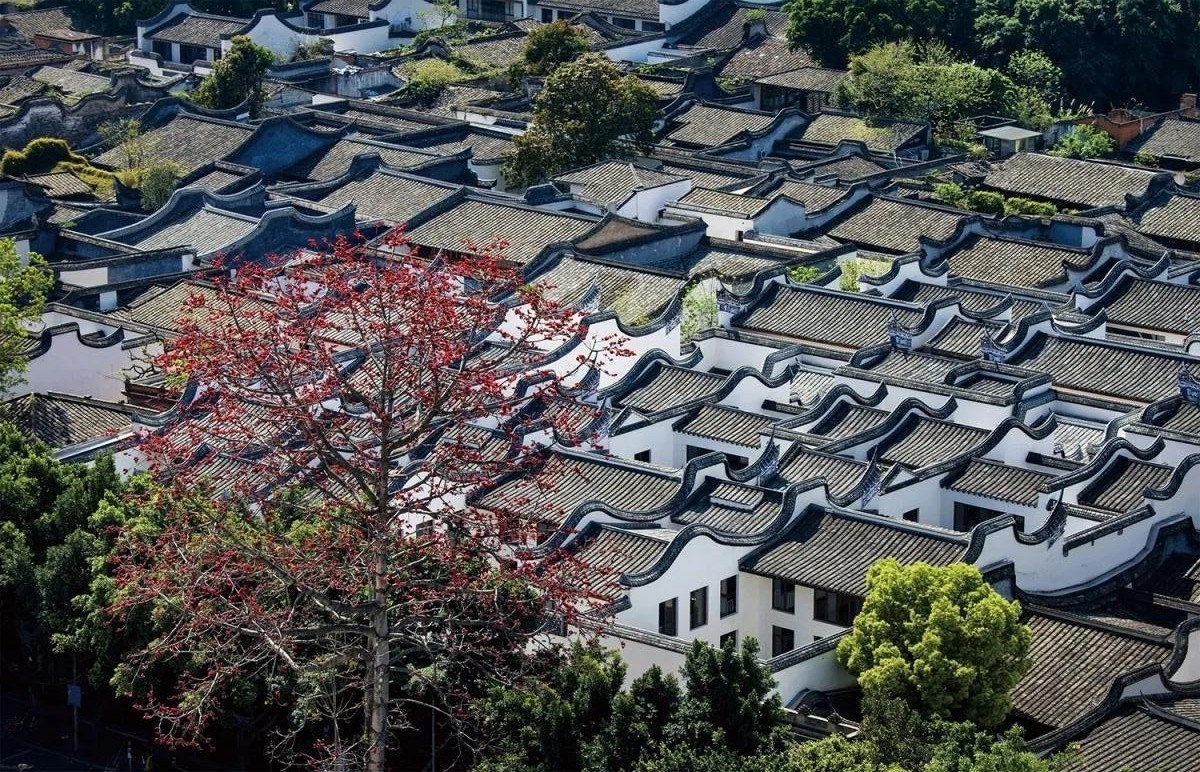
(724, 26)
(1093, 368)
(612, 552)
(60, 420)
(30, 23)
(615, 181)
(760, 58)
(388, 196)
(800, 464)
(1155, 304)
(709, 125)
(885, 137)
(930, 441)
(726, 424)
(199, 29)
(334, 161)
(634, 295)
(672, 386)
(1171, 138)
(893, 225)
(205, 230)
(526, 231)
(1084, 184)
(1147, 737)
(1020, 263)
(1174, 218)
(1002, 482)
(186, 140)
(1074, 665)
(840, 319)
(1120, 487)
(831, 551)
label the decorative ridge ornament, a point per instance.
(899, 337)
(991, 350)
(1189, 384)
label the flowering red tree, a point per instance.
(321, 543)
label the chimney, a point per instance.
(1187, 105)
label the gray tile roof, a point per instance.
(72, 83)
(846, 419)
(845, 320)
(723, 26)
(526, 231)
(641, 9)
(814, 197)
(671, 387)
(1156, 305)
(216, 180)
(62, 184)
(613, 182)
(1177, 577)
(565, 482)
(1171, 138)
(831, 551)
(1020, 263)
(1002, 482)
(705, 177)
(764, 57)
(484, 147)
(892, 225)
(732, 508)
(958, 337)
(927, 441)
(847, 167)
(880, 137)
(30, 23)
(1185, 419)
(186, 140)
(806, 79)
(382, 115)
(333, 162)
(495, 52)
(1083, 184)
(611, 552)
(1074, 665)
(808, 386)
(733, 203)
(800, 464)
(359, 9)
(60, 420)
(1142, 737)
(1092, 368)
(1077, 440)
(635, 295)
(387, 196)
(18, 88)
(206, 230)
(198, 29)
(1173, 217)
(1119, 488)
(727, 424)
(972, 300)
(708, 125)
(30, 57)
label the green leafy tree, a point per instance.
(940, 639)
(898, 80)
(835, 29)
(1034, 70)
(37, 157)
(552, 45)
(157, 182)
(588, 110)
(1084, 141)
(729, 701)
(236, 77)
(24, 285)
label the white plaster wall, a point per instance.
(647, 205)
(674, 14)
(637, 52)
(70, 366)
(720, 226)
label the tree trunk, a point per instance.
(378, 695)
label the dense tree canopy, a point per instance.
(552, 45)
(24, 284)
(940, 639)
(1110, 51)
(236, 77)
(588, 110)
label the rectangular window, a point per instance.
(316, 20)
(642, 456)
(699, 608)
(836, 608)
(653, 26)
(728, 596)
(695, 451)
(912, 515)
(623, 23)
(728, 639)
(547, 15)
(783, 596)
(668, 620)
(967, 516)
(783, 640)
